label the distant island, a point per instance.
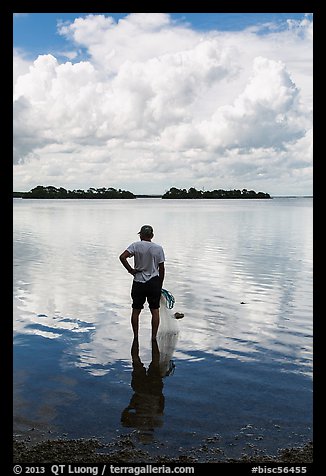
(53, 192)
(192, 193)
(111, 193)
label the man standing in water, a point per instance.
(148, 272)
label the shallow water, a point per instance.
(240, 360)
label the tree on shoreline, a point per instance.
(53, 192)
(50, 192)
(192, 193)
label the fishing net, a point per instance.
(168, 332)
(169, 298)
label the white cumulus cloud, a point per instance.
(161, 104)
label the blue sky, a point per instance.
(213, 100)
(36, 33)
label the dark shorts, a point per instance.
(151, 290)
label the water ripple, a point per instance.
(240, 272)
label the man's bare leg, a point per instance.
(135, 321)
(155, 322)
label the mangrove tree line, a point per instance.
(194, 193)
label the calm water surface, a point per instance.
(240, 360)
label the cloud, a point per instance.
(137, 37)
(155, 97)
(20, 65)
(265, 114)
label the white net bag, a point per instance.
(168, 332)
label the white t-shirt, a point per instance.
(147, 256)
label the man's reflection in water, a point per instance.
(145, 410)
